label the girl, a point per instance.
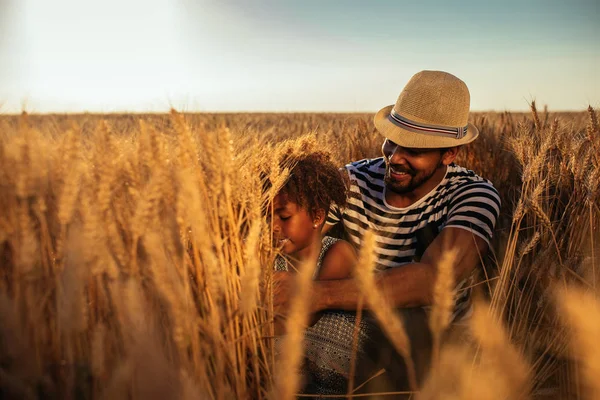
(299, 212)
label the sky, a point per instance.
(309, 55)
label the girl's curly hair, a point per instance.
(314, 182)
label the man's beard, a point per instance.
(416, 179)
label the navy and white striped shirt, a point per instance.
(461, 200)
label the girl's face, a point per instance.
(294, 228)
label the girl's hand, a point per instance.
(282, 292)
(283, 286)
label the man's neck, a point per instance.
(407, 199)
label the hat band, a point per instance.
(426, 129)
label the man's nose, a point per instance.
(397, 156)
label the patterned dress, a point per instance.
(329, 342)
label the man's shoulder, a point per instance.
(461, 179)
(463, 176)
(371, 166)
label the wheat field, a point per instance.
(136, 261)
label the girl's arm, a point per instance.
(338, 263)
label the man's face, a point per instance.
(408, 169)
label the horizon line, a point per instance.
(154, 112)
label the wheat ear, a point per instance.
(287, 382)
(580, 311)
(443, 301)
(389, 321)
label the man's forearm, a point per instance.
(406, 286)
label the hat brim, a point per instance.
(406, 138)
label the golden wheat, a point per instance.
(389, 321)
(288, 378)
(581, 313)
(443, 301)
(136, 260)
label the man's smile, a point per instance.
(398, 173)
(396, 169)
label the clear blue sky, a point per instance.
(301, 55)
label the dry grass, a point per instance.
(134, 251)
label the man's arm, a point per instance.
(410, 285)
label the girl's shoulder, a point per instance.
(327, 242)
(338, 259)
(336, 245)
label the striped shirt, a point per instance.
(461, 200)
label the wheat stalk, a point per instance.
(251, 275)
(443, 301)
(390, 322)
(497, 350)
(580, 311)
(288, 379)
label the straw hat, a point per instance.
(431, 112)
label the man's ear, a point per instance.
(450, 155)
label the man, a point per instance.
(418, 203)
